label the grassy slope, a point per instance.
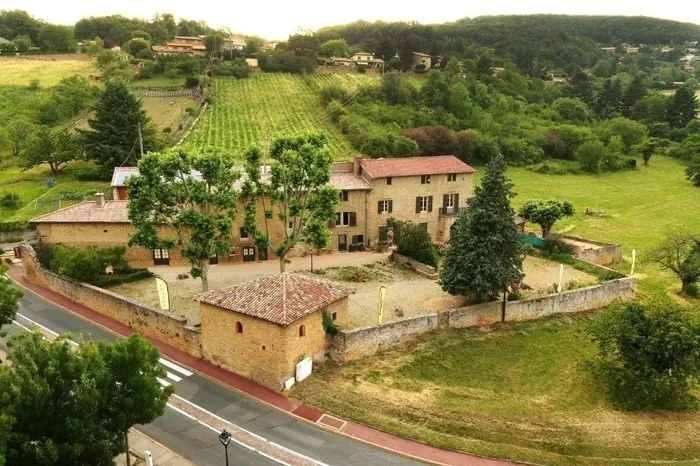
(20, 71)
(254, 111)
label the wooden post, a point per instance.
(505, 299)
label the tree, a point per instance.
(386, 49)
(484, 65)
(452, 68)
(55, 38)
(692, 173)
(648, 147)
(53, 147)
(253, 45)
(304, 44)
(414, 241)
(114, 136)
(23, 43)
(484, 256)
(580, 86)
(679, 252)
(572, 110)
(648, 354)
(298, 192)
(546, 213)
(335, 48)
(129, 380)
(9, 298)
(609, 100)
(18, 132)
(214, 43)
(635, 91)
(193, 195)
(632, 132)
(435, 91)
(682, 107)
(136, 45)
(589, 154)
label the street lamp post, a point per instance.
(225, 438)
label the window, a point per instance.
(302, 330)
(450, 201)
(424, 225)
(424, 204)
(161, 254)
(334, 316)
(344, 219)
(388, 180)
(358, 239)
(425, 179)
(385, 206)
(383, 234)
(451, 177)
(290, 225)
(239, 327)
(104, 231)
(243, 233)
(343, 195)
(342, 242)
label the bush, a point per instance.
(8, 227)
(413, 241)
(90, 174)
(132, 275)
(557, 246)
(332, 92)
(191, 81)
(329, 326)
(33, 84)
(84, 265)
(44, 254)
(9, 200)
(648, 354)
(146, 54)
(693, 290)
(362, 69)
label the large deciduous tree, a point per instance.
(53, 147)
(546, 213)
(192, 194)
(335, 48)
(692, 173)
(113, 139)
(649, 354)
(679, 252)
(57, 38)
(9, 298)
(297, 190)
(484, 257)
(18, 132)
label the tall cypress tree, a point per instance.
(114, 138)
(682, 107)
(636, 90)
(484, 256)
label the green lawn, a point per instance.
(159, 81)
(519, 392)
(253, 111)
(641, 206)
(35, 195)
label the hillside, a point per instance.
(253, 111)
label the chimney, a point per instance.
(357, 166)
(100, 198)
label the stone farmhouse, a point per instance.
(194, 45)
(262, 329)
(429, 191)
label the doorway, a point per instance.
(248, 254)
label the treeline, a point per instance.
(28, 34)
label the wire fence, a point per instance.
(163, 92)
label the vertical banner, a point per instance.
(163, 294)
(380, 310)
(634, 260)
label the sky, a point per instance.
(276, 19)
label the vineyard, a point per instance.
(252, 112)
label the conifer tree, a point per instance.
(682, 107)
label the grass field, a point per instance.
(523, 392)
(254, 111)
(160, 82)
(20, 71)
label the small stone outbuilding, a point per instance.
(263, 328)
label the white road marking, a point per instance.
(41, 327)
(164, 383)
(175, 367)
(173, 376)
(20, 325)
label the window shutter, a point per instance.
(457, 202)
(379, 207)
(444, 202)
(353, 219)
(418, 204)
(391, 206)
(430, 203)
(331, 223)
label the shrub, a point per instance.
(90, 174)
(335, 110)
(9, 200)
(362, 69)
(191, 81)
(7, 227)
(44, 254)
(693, 290)
(329, 326)
(332, 92)
(648, 354)
(34, 84)
(557, 246)
(146, 54)
(414, 241)
(133, 275)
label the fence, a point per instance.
(163, 92)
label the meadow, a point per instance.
(48, 70)
(252, 112)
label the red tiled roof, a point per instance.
(280, 299)
(421, 54)
(88, 212)
(349, 182)
(415, 166)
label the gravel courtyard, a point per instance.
(407, 293)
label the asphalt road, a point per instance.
(198, 443)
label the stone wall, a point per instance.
(582, 299)
(595, 252)
(363, 341)
(427, 271)
(146, 320)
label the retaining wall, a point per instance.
(146, 320)
(596, 252)
(426, 270)
(363, 341)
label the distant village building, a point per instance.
(420, 58)
(367, 59)
(4, 41)
(194, 45)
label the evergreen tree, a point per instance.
(114, 136)
(485, 257)
(580, 86)
(609, 100)
(682, 107)
(636, 90)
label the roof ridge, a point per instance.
(60, 210)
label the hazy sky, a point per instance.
(275, 19)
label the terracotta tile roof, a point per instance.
(349, 182)
(421, 54)
(280, 299)
(88, 212)
(415, 166)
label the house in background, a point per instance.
(4, 41)
(367, 59)
(194, 45)
(420, 58)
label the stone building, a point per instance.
(264, 328)
(429, 191)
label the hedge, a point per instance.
(7, 227)
(114, 280)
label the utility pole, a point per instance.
(140, 139)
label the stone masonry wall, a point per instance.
(168, 328)
(598, 253)
(363, 341)
(426, 270)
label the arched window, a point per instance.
(302, 330)
(239, 327)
